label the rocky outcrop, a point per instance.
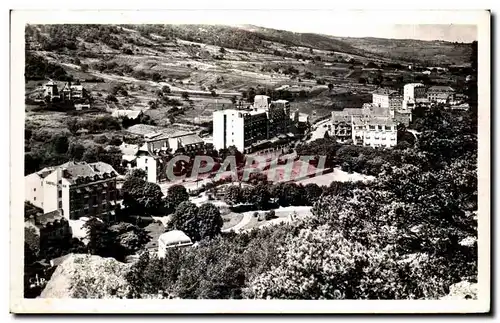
(462, 290)
(88, 276)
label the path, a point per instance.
(247, 216)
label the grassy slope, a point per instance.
(189, 59)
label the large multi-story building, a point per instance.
(74, 189)
(243, 128)
(279, 117)
(374, 132)
(440, 94)
(45, 230)
(385, 98)
(414, 91)
(239, 128)
(160, 144)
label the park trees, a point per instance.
(142, 197)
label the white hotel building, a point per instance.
(74, 189)
(242, 128)
(374, 132)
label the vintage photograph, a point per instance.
(259, 160)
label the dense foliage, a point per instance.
(410, 234)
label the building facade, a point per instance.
(239, 128)
(154, 154)
(440, 94)
(374, 132)
(385, 98)
(414, 91)
(74, 189)
(44, 230)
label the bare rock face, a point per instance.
(462, 290)
(88, 276)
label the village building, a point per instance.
(172, 239)
(263, 124)
(50, 90)
(386, 98)
(71, 92)
(131, 114)
(129, 155)
(374, 132)
(74, 189)
(159, 147)
(44, 230)
(440, 94)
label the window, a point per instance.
(59, 194)
(34, 190)
(34, 198)
(146, 161)
(60, 205)
(60, 181)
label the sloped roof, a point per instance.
(174, 237)
(190, 140)
(49, 217)
(383, 91)
(441, 88)
(87, 170)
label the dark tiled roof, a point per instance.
(441, 88)
(42, 220)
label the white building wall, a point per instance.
(413, 91)
(50, 200)
(236, 132)
(148, 164)
(261, 102)
(173, 143)
(234, 129)
(218, 130)
(33, 189)
(381, 100)
(380, 138)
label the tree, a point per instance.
(101, 241)
(185, 219)
(222, 50)
(165, 89)
(73, 125)
(185, 96)
(312, 193)
(209, 221)
(60, 144)
(232, 195)
(111, 98)
(177, 194)
(330, 87)
(142, 197)
(233, 100)
(76, 151)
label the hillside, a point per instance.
(426, 52)
(208, 67)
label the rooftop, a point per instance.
(50, 217)
(174, 237)
(82, 169)
(441, 88)
(190, 140)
